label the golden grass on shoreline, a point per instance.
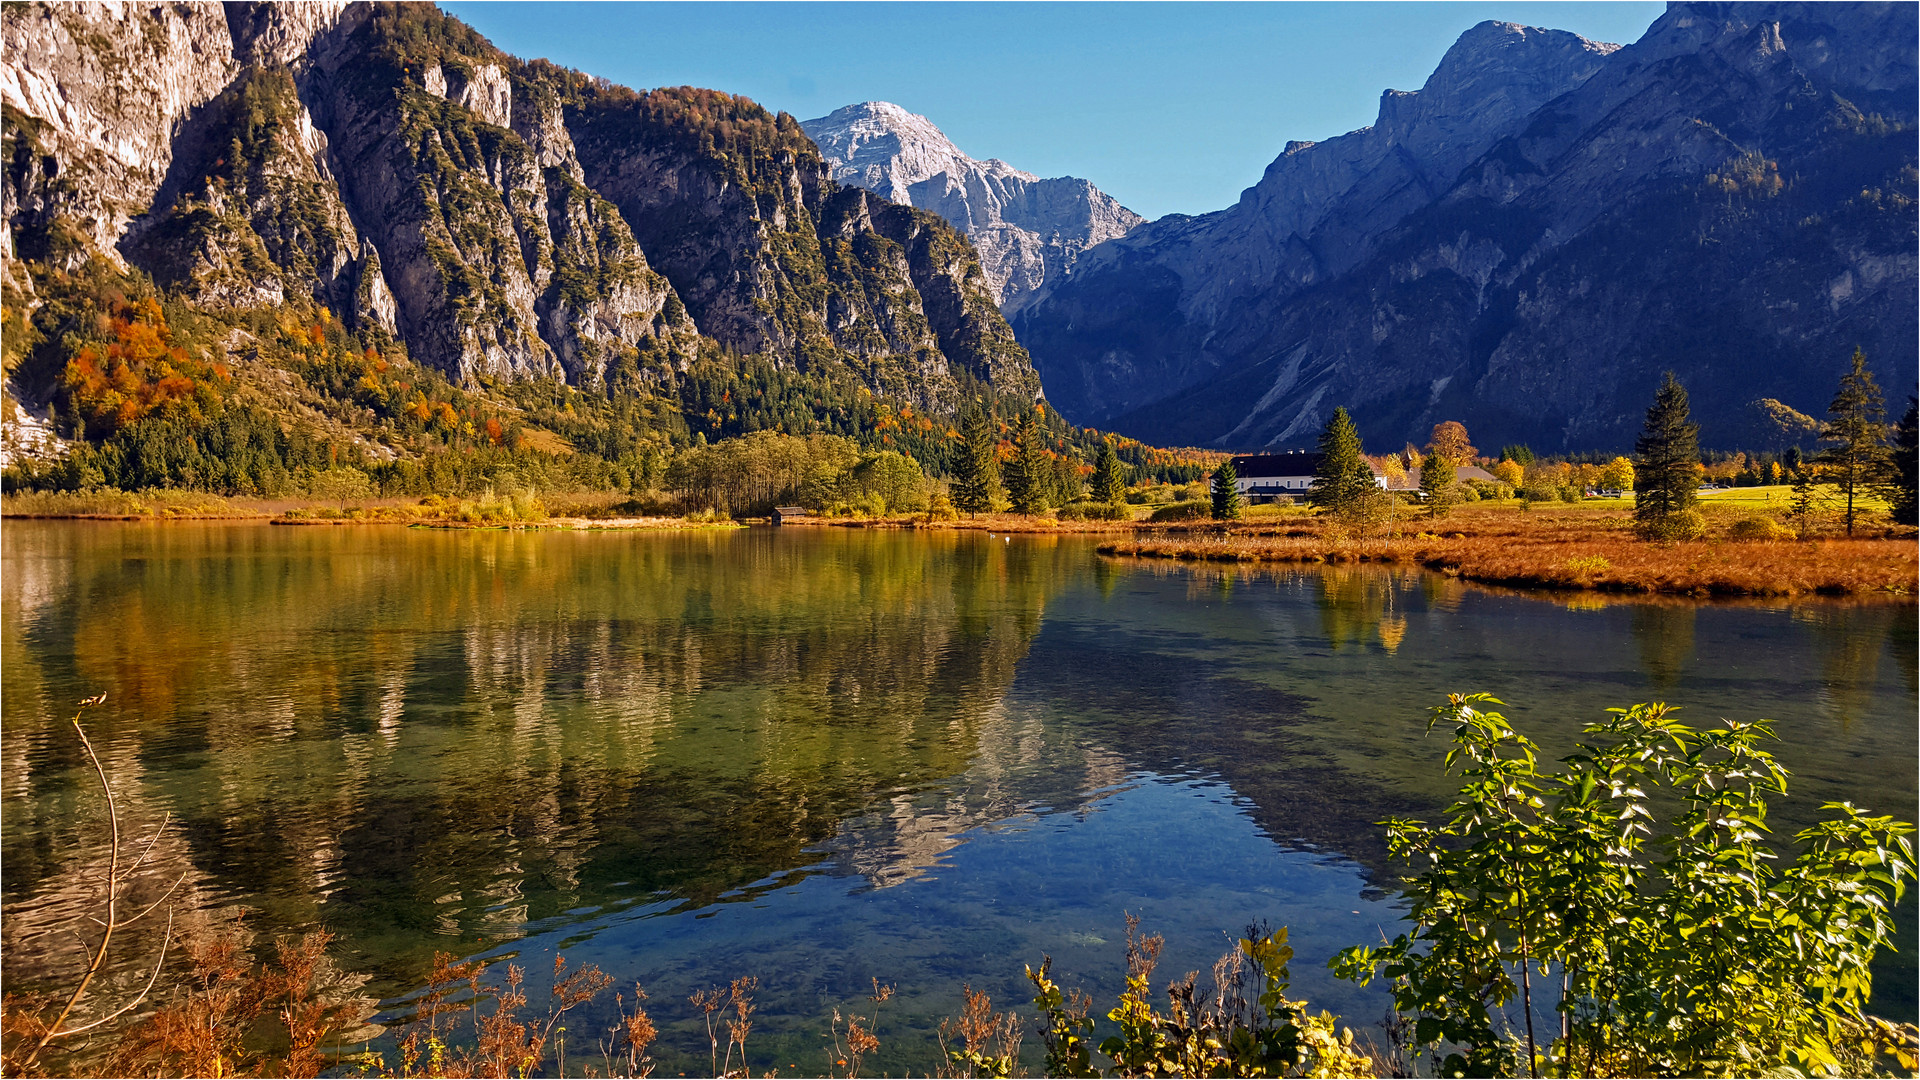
(1571, 549)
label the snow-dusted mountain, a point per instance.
(1028, 230)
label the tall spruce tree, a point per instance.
(1902, 490)
(1029, 476)
(1666, 463)
(1856, 460)
(976, 473)
(1109, 477)
(1226, 492)
(1805, 500)
(1343, 477)
(1439, 483)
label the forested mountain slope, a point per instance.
(253, 185)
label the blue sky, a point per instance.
(1171, 108)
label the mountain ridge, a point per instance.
(1665, 157)
(1029, 230)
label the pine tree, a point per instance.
(1343, 477)
(1666, 466)
(976, 474)
(1226, 492)
(1439, 482)
(1109, 477)
(1029, 475)
(1857, 460)
(1805, 500)
(1902, 490)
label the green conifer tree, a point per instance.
(1029, 475)
(1805, 500)
(1856, 461)
(1109, 476)
(1902, 490)
(1343, 477)
(1439, 483)
(976, 473)
(1666, 466)
(1226, 492)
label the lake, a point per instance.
(819, 756)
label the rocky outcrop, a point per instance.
(1528, 242)
(1028, 231)
(1317, 211)
(735, 207)
(94, 94)
(250, 213)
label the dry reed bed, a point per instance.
(1570, 551)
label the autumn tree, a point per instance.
(1856, 460)
(342, 484)
(1666, 460)
(976, 473)
(1617, 475)
(1226, 492)
(1109, 476)
(1805, 501)
(1449, 439)
(1343, 476)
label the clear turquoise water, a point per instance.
(818, 756)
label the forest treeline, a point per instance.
(149, 391)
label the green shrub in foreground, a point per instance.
(1671, 948)
(1186, 510)
(1095, 511)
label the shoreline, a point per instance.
(1572, 549)
(1553, 557)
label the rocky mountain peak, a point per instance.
(1527, 241)
(1495, 72)
(1029, 230)
(884, 148)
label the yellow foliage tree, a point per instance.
(1617, 475)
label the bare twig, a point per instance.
(115, 881)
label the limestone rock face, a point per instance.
(99, 90)
(1527, 242)
(1028, 231)
(250, 214)
(1318, 210)
(736, 208)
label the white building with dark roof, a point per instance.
(1269, 477)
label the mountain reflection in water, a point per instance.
(653, 749)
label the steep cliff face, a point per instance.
(1028, 231)
(387, 163)
(1318, 211)
(94, 94)
(250, 211)
(735, 206)
(1731, 198)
